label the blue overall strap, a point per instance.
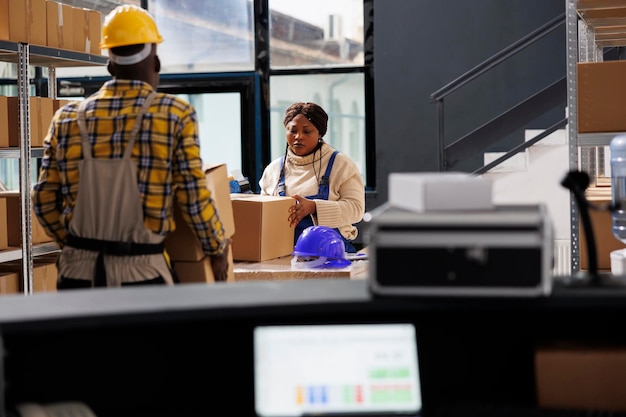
(324, 189)
(281, 180)
(322, 194)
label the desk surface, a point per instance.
(281, 269)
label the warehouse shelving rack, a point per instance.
(592, 25)
(25, 55)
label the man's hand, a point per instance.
(219, 263)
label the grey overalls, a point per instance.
(108, 242)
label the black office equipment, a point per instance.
(507, 251)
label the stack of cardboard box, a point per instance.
(183, 247)
(51, 23)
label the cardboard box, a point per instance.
(44, 274)
(59, 23)
(27, 21)
(432, 191)
(46, 111)
(4, 20)
(14, 119)
(57, 104)
(580, 377)
(14, 225)
(262, 229)
(606, 243)
(601, 96)
(80, 29)
(4, 121)
(86, 30)
(4, 236)
(182, 244)
(194, 272)
(9, 283)
(92, 42)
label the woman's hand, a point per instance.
(301, 209)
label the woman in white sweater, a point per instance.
(326, 184)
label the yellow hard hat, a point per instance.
(128, 25)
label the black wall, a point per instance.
(422, 45)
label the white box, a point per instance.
(432, 191)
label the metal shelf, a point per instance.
(15, 152)
(25, 55)
(43, 56)
(38, 250)
(606, 19)
(597, 139)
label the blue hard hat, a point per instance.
(320, 246)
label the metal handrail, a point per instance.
(480, 69)
(499, 57)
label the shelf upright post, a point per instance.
(25, 155)
(52, 82)
(572, 122)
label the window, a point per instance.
(334, 92)
(269, 53)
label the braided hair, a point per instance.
(313, 112)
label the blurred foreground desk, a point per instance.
(187, 350)
(281, 269)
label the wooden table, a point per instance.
(281, 269)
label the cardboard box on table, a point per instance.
(182, 245)
(263, 229)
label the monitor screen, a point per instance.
(369, 369)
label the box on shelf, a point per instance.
(86, 30)
(4, 235)
(581, 377)
(9, 283)
(4, 20)
(44, 273)
(262, 229)
(182, 245)
(59, 23)
(606, 243)
(14, 119)
(27, 21)
(45, 106)
(601, 96)
(432, 191)
(4, 121)
(14, 225)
